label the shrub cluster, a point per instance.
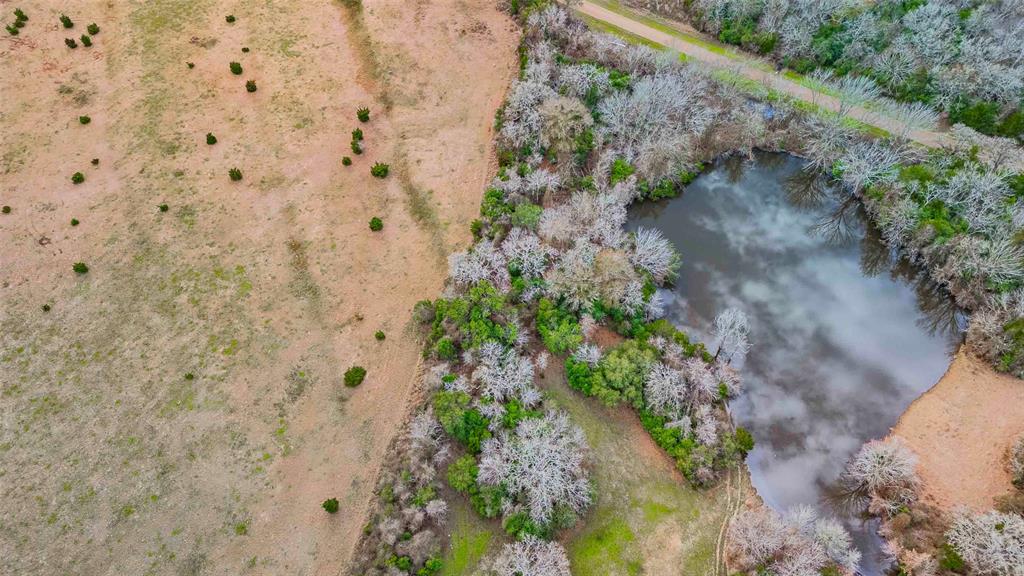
(379, 169)
(20, 18)
(409, 515)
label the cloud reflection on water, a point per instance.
(844, 335)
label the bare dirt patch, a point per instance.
(179, 408)
(961, 430)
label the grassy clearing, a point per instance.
(471, 539)
(645, 519)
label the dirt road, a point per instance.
(755, 70)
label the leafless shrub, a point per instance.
(992, 543)
(563, 120)
(531, 556)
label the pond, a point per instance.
(844, 334)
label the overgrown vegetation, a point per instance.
(589, 127)
(959, 57)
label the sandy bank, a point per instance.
(961, 429)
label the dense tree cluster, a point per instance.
(961, 56)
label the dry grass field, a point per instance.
(179, 408)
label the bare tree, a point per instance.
(665, 391)
(540, 462)
(757, 536)
(654, 253)
(731, 331)
(505, 375)
(884, 472)
(531, 556)
(526, 252)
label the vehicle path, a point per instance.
(753, 69)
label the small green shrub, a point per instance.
(20, 15)
(330, 505)
(356, 147)
(84, 120)
(236, 68)
(363, 114)
(235, 174)
(164, 207)
(80, 267)
(431, 567)
(210, 138)
(445, 349)
(245, 49)
(46, 307)
(951, 559)
(621, 169)
(379, 170)
(462, 474)
(357, 135)
(95, 161)
(744, 439)
(376, 224)
(70, 42)
(346, 161)
(86, 40)
(66, 22)
(74, 222)
(379, 335)
(527, 215)
(493, 207)
(250, 86)
(6, 209)
(354, 376)
(190, 65)
(230, 18)
(465, 424)
(77, 178)
(981, 115)
(190, 376)
(559, 329)
(93, 29)
(12, 30)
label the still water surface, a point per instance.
(845, 336)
